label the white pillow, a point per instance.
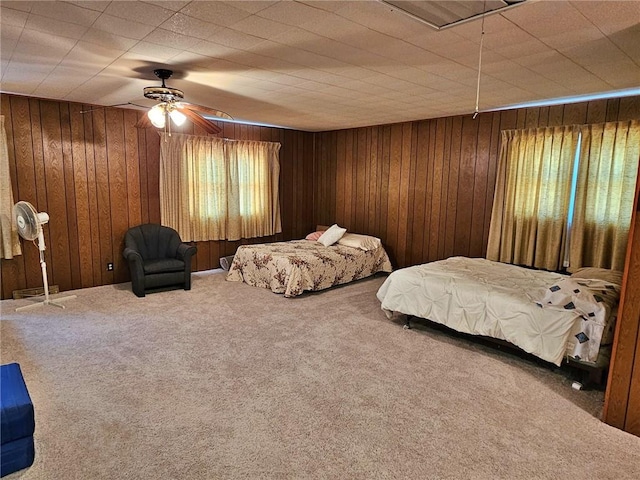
(363, 242)
(332, 235)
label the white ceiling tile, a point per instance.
(610, 16)
(43, 47)
(166, 38)
(151, 51)
(8, 40)
(121, 27)
(233, 38)
(174, 5)
(11, 17)
(96, 5)
(55, 27)
(66, 12)
(261, 27)
(211, 49)
(18, 5)
(293, 13)
(251, 6)
(143, 12)
(186, 25)
(24, 77)
(318, 65)
(100, 57)
(220, 13)
(106, 39)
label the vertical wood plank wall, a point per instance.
(426, 187)
(97, 175)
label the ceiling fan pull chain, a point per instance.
(484, 8)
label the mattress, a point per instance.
(536, 310)
(297, 266)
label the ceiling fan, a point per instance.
(172, 107)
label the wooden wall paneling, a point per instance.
(426, 251)
(360, 168)
(556, 114)
(132, 154)
(153, 174)
(373, 162)
(308, 192)
(437, 204)
(418, 229)
(466, 181)
(493, 159)
(532, 116)
(403, 197)
(142, 171)
(17, 273)
(446, 156)
(481, 171)
(613, 105)
(596, 111)
(117, 173)
(340, 179)
(622, 367)
(629, 109)
(349, 191)
(414, 187)
(59, 267)
(70, 194)
(92, 189)
(81, 193)
(632, 421)
(385, 157)
(543, 117)
(454, 181)
(12, 272)
(287, 191)
(103, 194)
(395, 162)
(575, 114)
(521, 118)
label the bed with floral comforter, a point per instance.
(301, 265)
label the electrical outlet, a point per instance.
(109, 267)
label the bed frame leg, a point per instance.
(407, 323)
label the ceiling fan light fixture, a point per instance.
(177, 117)
(157, 116)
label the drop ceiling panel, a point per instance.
(317, 65)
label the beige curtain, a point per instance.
(217, 189)
(605, 193)
(533, 188)
(9, 241)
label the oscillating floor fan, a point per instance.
(30, 223)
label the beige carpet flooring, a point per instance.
(228, 381)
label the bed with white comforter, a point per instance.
(543, 313)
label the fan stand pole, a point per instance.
(45, 281)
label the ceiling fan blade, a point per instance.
(204, 110)
(203, 123)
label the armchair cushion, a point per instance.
(163, 265)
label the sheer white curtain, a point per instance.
(217, 189)
(9, 241)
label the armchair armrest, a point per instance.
(131, 255)
(185, 252)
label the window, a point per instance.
(218, 189)
(564, 196)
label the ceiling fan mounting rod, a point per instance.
(163, 74)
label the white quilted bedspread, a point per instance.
(481, 297)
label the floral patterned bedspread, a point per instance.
(299, 265)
